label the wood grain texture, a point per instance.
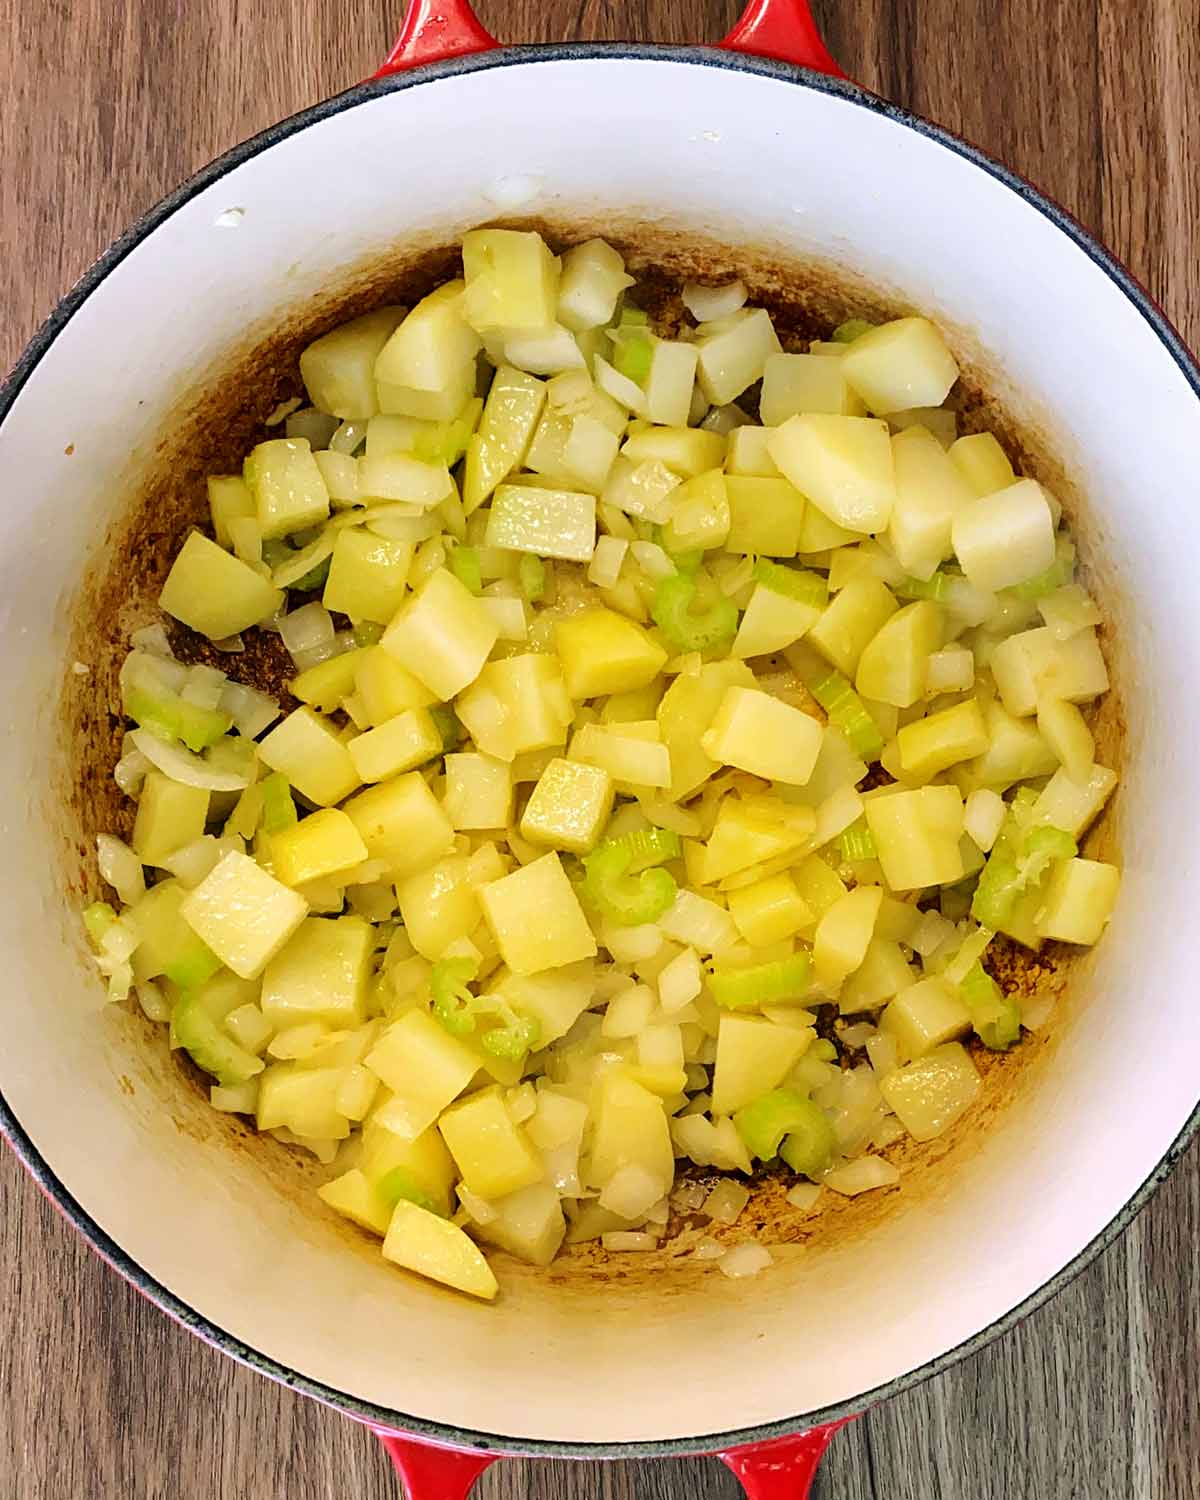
(103, 107)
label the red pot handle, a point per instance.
(779, 1470)
(434, 30)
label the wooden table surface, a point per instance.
(104, 105)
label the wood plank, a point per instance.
(102, 109)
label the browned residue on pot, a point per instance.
(225, 414)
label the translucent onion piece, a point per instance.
(120, 867)
(189, 770)
(744, 1260)
(152, 638)
(706, 303)
(306, 628)
(250, 710)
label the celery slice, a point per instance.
(808, 1147)
(857, 841)
(938, 587)
(851, 329)
(459, 1011)
(531, 574)
(747, 989)
(465, 565)
(994, 1015)
(397, 1184)
(1018, 862)
(630, 899)
(278, 809)
(97, 919)
(672, 612)
(847, 712)
(633, 354)
(763, 1124)
(209, 1046)
(1060, 572)
(171, 717)
(793, 583)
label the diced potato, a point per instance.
(772, 621)
(338, 369)
(749, 831)
(528, 1224)
(746, 453)
(924, 1016)
(690, 701)
(326, 686)
(353, 1196)
(593, 277)
(602, 652)
(560, 934)
(307, 750)
(917, 836)
(569, 807)
(367, 574)
(765, 515)
(434, 1247)
(630, 1130)
(796, 383)
(438, 905)
(687, 451)
(930, 492)
(928, 1095)
(670, 383)
(937, 420)
(754, 1056)
(243, 914)
(302, 1100)
(512, 280)
(1035, 664)
(442, 635)
(420, 1165)
(763, 735)
(402, 823)
(546, 522)
(769, 911)
(514, 404)
(385, 687)
(323, 845)
(320, 974)
(843, 934)
(401, 744)
(901, 364)
(1079, 900)
(733, 358)
(400, 476)
(884, 972)
(1005, 538)
(493, 1153)
(894, 664)
(1069, 610)
(289, 492)
(555, 1000)
(929, 745)
(425, 1068)
(479, 791)
(214, 593)
(982, 462)
(431, 345)
(842, 464)
(1066, 732)
(229, 499)
(169, 815)
(630, 759)
(851, 619)
(442, 405)
(168, 944)
(517, 705)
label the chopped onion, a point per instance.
(652, 560)
(707, 303)
(605, 566)
(307, 628)
(189, 770)
(232, 644)
(348, 437)
(284, 409)
(804, 1196)
(623, 390)
(698, 923)
(709, 1249)
(628, 1239)
(191, 863)
(250, 710)
(857, 1036)
(744, 1260)
(688, 1197)
(317, 426)
(659, 1214)
(478, 1208)
(726, 1202)
(631, 1191)
(1036, 1011)
(203, 686)
(293, 569)
(152, 638)
(121, 868)
(130, 771)
(236, 1098)
(724, 419)
(153, 1002)
(861, 1176)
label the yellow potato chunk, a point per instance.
(1005, 538)
(434, 1247)
(929, 745)
(510, 416)
(442, 635)
(772, 621)
(763, 735)
(385, 687)
(602, 652)
(630, 1131)
(924, 1015)
(851, 619)
(367, 574)
(1079, 900)
(326, 686)
(842, 464)
(243, 914)
(528, 1224)
(917, 836)
(930, 492)
(431, 345)
(402, 823)
(844, 933)
(229, 499)
(308, 751)
(569, 807)
(766, 514)
(324, 845)
(289, 492)
(512, 280)
(769, 911)
(795, 383)
(425, 1068)
(982, 462)
(438, 905)
(560, 934)
(170, 815)
(422, 1163)
(692, 700)
(547, 522)
(901, 364)
(754, 1056)
(320, 974)
(354, 1197)
(493, 1153)
(213, 592)
(928, 1095)
(400, 744)
(894, 665)
(479, 791)
(338, 369)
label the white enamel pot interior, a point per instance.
(751, 152)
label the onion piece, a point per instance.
(182, 766)
(726, 1202)
(153, 1002)
(861, 1176)
(283, 410)
(804, 1196)
(152, 638)
(744, 1260)
(121, 868)
(709, 1249)
(306, 628)
(250, 710)
(293, 569)
(628, 1239)
(707, 303)
(130, 771)
(232, 644)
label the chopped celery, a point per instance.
(857, 841)
(531, 574)
(278, 809)
(1060, 572)
(459, 1010)
(938, 587)
(633, 354)
(448, 725)
(464, 564)
(808, 1147)
(747, 989)
(848, 713)
(1018, 862)
(97, 919)
(794, 583)
(314, 579)
(151, 702)
(367, 633)
(994, 1015)
(627, 898)
(851, 329)
(209, 1045)
(763, 1124)
(710, 630)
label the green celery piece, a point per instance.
(97, 919)
(763, 1124)
(314, 579)
(397, 1184)
(171, 717)
(464, 564)
(823, 1050)
(1017, 862)
(851, 329)
(633, 355)
(994, 1015)
(648, 846)
(625, 898)
(531, 573)
(449, 726)
(1060, 572)
(513, 1037)
(747, 989)
(997, 892)
(633, 317)
(453, 1003)
(367, 633)
(1042, 847)
(857, 841)
(687, 561)
(672, 611)
(192, 964)
(847, 712)
(808, 1148)
(795, 583)
(936, 588)
(278, 809)
(209, 1046)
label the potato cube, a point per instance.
(528, 1224)
(765, 515)
(569, 807)
(367, 574)
(795, 383)
(168, 943)
(982, 462)
(763, 735)
(438, 905)
(769, 911)
(493, 1153)
(441, 405)
(385, 687)
(750, 830)
(754, 1056)
(322, 846)
(401, 476)
(547, 522)
(929, 745)
(418, 1166)
(401, 744)
(690, 701)
(516, 705)
(434, 1247)
(338, 369)
(1072, 804)
(1079, 900)
(818, 883)
(512, 280)
(884, 972)
(842, 464)
(602, 652)
(442, 635)
(630, 1130)
(699, 514)
(894, 664)
(925, 1015)
(746, 453)
(510, 416)
(214, 593)
(930, 492)
(928, 1095)
(670, 383)
(169, 815)
(772, 621)
(308, 751)
(917, 836)
(289, 492)
(243, 914)
(1005, 538)
(327, 685)
(686, 451)
(302, 1100)
(851, 619)
(559, 936)
(320, 974)
(479, 791)
(430, 345)
(732, 359)
(1062, 727)
(402, 823)
(425, 1068)
(844, 933)
(353, 1196)
(632, 760)
(901, 364)
(229, 499)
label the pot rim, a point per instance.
(697, 56)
